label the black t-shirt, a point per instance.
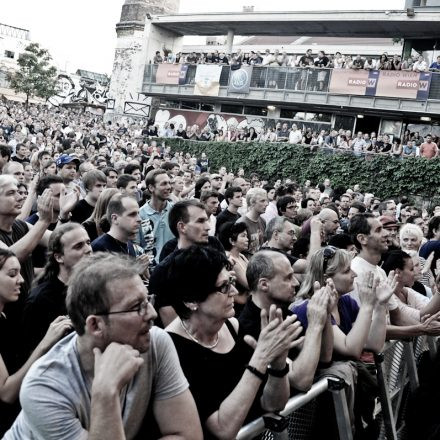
(46, 302)
(10, 338)
(171, 245)
(291, 258)
(82, 211)
(107, 243)
(305, 61)
(224, 217)
(213, 376)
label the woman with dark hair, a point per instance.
(410, 302)
(202, 184)
(97, 223)
(10, 283)
(231, 383)
(235, 239)
(433, 243)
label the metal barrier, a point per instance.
(280, 426)
(396, 370)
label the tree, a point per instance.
(35, 76)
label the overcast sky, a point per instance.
(80, 34)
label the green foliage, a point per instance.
(382, 175)
(35, 77)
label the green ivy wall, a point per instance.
(381, 175)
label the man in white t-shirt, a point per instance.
(98, 383)
(295, 135)
(370, 238)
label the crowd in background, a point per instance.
(255, 288)
(415, 63)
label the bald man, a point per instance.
(330, 223)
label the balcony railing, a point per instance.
(279, 78)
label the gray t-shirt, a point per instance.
(55, 395)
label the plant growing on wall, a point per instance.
(35, 76)
(381, 175)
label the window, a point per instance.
(167, 103)
(231, 108)
(189, 105)
(321, 117)
(255, 111)
(287, 113)
(207, 107)
(9, 54)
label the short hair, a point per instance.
(168, 166)
(433, 226)
(282, 203)
(91, 177)
(359, 224)
(45, 183)
(230, 231)
(7, 167)
(261, 265)
(179, 213)
(115, 206)
(108, 170)
(305, 201)
(7, 179)
(207, 194)
(230, 191)
(275, 224)
(359, 206)
(88, 291)
(5, 151)
(383, 206)
(252, 194)
(409, 228)
(43, 153)
(131, 167)
(150, 179)
(124, 180)
(341, 241)
(201, 263)
(82, 166)
(395, 260)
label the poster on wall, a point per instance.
(387, 83)
(353, 82)
(401, 84)
(240, 80)
(207, 80)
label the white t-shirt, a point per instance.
(361, 267)
(295, 137)
(56, 395)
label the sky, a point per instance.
(80, 34)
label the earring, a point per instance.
(194, 308)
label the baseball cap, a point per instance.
(389, 222)
(65, 159)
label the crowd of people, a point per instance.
(411, 144)
(415, 63)
(144, 294)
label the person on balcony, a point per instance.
(420, 65)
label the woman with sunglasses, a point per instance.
(232, 384)
(354, 326)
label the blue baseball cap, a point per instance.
(64, 159)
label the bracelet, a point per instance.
(278, 373)
(258, 373)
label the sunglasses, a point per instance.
(329, 253)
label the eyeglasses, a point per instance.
(329, 253)
(140, 309)
(225, 288)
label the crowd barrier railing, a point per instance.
(300, 79)
(396, 369)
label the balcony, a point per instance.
(295, 85)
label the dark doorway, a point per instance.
(367, 124)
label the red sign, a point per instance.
(168, 74)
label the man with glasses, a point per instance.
(98, 382)
(280, 234)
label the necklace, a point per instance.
(196, 340)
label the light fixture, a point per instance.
(271, 108)
(360, 116)
(425, 118)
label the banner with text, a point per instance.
(393, 84)
(207, 80)
(168, 73)
(240, 80)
